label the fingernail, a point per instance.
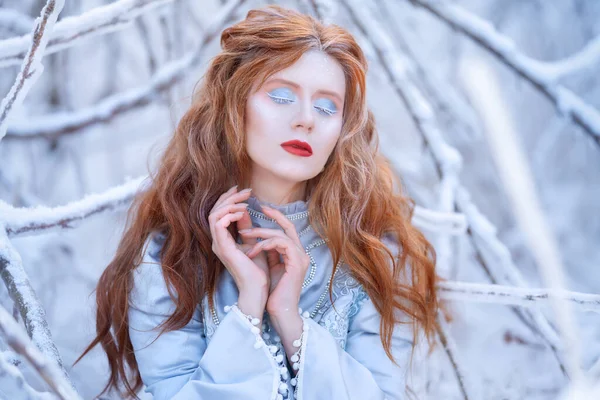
(246, 190)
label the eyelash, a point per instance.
(282, 100)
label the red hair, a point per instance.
(352, 202)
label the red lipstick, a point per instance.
(298, 148)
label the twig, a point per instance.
(17, 339)
(452, 352)
(27, 221)
(32, 67)
(52, 127)
(510, 295)
(100, 20)
(446, 160)
(484, 34)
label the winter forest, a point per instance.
(489, 111)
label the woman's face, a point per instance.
(303, 102)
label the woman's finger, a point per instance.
(234, 198)
(224, 196)
(286, 224)
(262, 233)
(222, 235)
(216, 215)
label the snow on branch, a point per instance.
(511, 295)
(52, 126)
(543, 76)
(12, 381)
(447, 160)
(67, 32)
(447, 223)
(27, 221)
(17, 339)
(19, 288)
(34, 220)
(32, 67)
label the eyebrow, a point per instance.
(294, 84)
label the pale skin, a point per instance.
(303, 102)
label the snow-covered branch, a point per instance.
(515, 172)
(97, 21)
(27, 221)
(14, 336)
(58, 124)
(32, 67)
(542, 76)
(12, 381)
(448, 162)
(511, 295)
(34, 316)
(447, 223)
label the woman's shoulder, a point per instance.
(152, 249)
(149, 286)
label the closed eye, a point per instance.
(325, 110)
(280, 100)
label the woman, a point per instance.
(311, 282)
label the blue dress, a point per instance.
(218, 355)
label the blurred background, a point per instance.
(444, 78)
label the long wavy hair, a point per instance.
(353, 202)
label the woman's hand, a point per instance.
(250, 273)
(286, 277)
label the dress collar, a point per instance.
(296, 210)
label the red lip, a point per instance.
(297, 147)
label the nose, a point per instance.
(304, 118)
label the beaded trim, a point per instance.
(291, 217)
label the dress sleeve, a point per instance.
(179, 364)
(363, 370)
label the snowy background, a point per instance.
(496, 122)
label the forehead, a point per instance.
(315, 71)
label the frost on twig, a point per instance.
(510, 295)
(27, 221)
(32, 67)
(64, 123)
(19, 288)
(16, 338)
(67, 32)
(542, 75)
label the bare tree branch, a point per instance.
(51, 127)
(47, 368)
(100, 20)
(27, 221)
(452, 353)
(32, 67)
(17, 282)
(448, 161)
(484, 34)
(510, 295)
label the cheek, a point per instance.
(330, 135)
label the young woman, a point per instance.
(310, 283)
